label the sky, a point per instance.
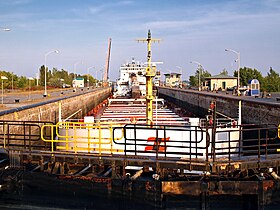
(190, 30)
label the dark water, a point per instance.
(43, 191)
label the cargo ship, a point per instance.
(135, 146)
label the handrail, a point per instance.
(164, 141)
(81, 136)
(187, 144)
(21, 134)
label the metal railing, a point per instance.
(22, 134)
(165, 141)
(189, 144)
(82, 137)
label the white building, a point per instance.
(78, 82)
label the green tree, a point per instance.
(42, 75)
(246, 74)
(22, 82)
(203, 74)
(272, 81)
(224, 72)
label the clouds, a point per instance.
(199, 30)
(15, 2)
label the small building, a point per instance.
(78, 82)
(173, 80)
(254, 88)
(221, 82)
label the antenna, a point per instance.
(150, 73)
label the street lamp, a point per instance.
(3, 78)
(75, 65)
(12, 82)
(88, 76)
(30, 79)
(238, 67)
(53, 51)
(199, 69)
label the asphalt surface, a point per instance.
(271, 98)
(17, 99)
(23, 98)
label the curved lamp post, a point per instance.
(53, 51)
(30, 79)
(238, 67)
(75, 66)
(88, 75)
(199, 69)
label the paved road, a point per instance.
(271, 99)
(17, 99)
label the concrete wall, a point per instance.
(48, 111)
(253, 111)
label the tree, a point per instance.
(272, 81)
(42, 75)
(203, 75)
(12, 80)
(224, 72)
(22, 82)
(246, 74)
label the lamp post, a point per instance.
(238, 67)
(97, 76)
(88, 75)
(199, 69)
(30, 79)
(75, 66)
(3, 78)
(53, 51)
(12, 82)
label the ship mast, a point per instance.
(150, 73)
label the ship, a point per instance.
(119, 125)
(132, 80)
(142, 148)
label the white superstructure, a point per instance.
(132, 74)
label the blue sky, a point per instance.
(191, 30)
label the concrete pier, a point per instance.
(255, 111)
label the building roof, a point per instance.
(172, 74)
(221, 76)
(79, 78)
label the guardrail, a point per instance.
(82, 137)
(185, 144)
(23, 134)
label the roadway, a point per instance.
(21, 98)
(272, 98)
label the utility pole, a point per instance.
(150, 73)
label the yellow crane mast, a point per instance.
(150, 73)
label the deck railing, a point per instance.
(187, 144)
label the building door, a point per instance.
(224, 85)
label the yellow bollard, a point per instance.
(279, 131)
